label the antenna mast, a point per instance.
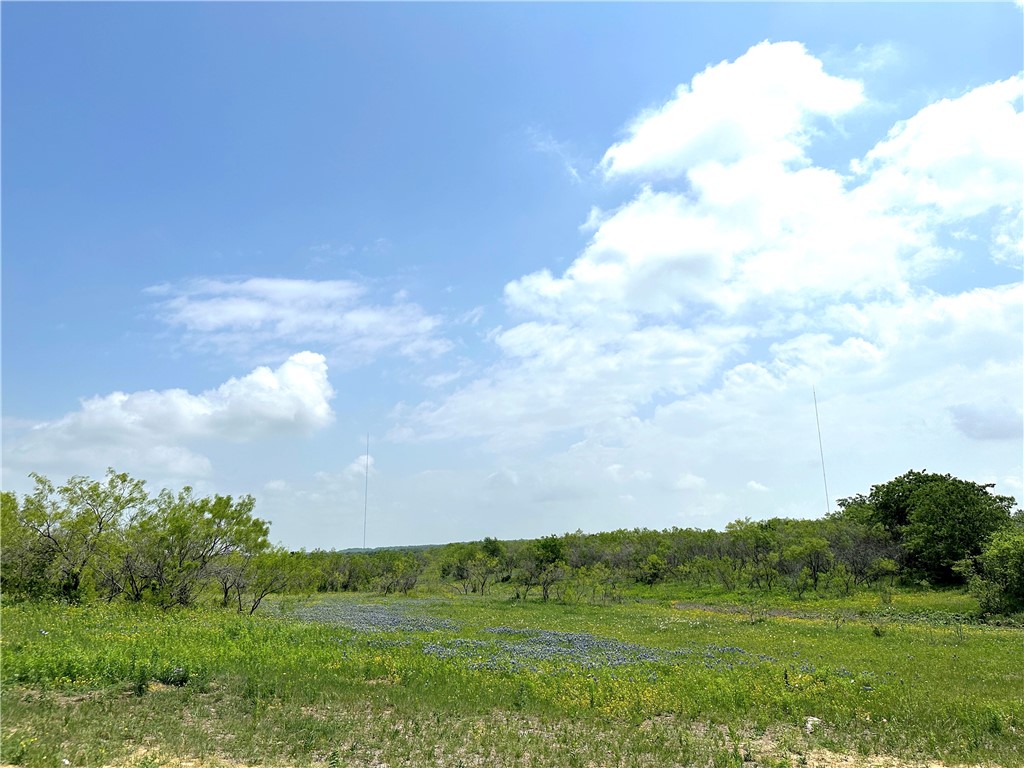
(821, 450)
(366, 487)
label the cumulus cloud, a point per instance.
(954, 159)
(262, 316)
(750, 232)
(153, 429)
(764, 103)
(747, 235)
(702, 310)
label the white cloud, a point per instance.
(954, 159)
(621, 474)
(750, 236)
(262, 316)
(745, 234)
(149, 430)
(1008, 240)
(360, 467)
(560, 377)
(764, 103)
(934, 330)
(684, 340)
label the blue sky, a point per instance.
(570, 266)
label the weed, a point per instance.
(140, 681)
(488, 681)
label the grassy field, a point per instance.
(352, 681)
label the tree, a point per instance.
(653, 569)
(456, 565)
(996, 575)
(251, 576)
(756, 546)
(858, 547)
(805, 562)
(541, 563)
(396, 571)
(25, 557)
(937, 520)
(550, 549)
(492, 547)
(76, 522)
(172, 550)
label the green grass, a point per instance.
(699, 686)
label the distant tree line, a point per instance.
(917, 528)
(111, 540)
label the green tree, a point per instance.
(173, 550)
(549, 550)
(76, 523)
(805, 562)
(457, 565)
(25, 557)
(252, 575)
(996, 575)
(396, 571)
(937, 520)
(653, 569)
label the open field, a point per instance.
(346, 681)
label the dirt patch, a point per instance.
(822, 758)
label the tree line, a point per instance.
(111, 540)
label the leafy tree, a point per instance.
(25, 557)
(806, 561)
(595, 582)
(653, 569)
(548, 576)
(456, 565)
(755, 548)
(76, 522)
(937, 520)
(858, 547)
(996, 575)
(549, 550)
(396, 571)
(169, 551)
(491, 547)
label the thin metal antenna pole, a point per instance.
(366, 487)
(821, 450)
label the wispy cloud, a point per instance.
(265, 317)
(544, 143)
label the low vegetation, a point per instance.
(772, 643)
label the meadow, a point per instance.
(342, 680)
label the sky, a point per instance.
(566, 266)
